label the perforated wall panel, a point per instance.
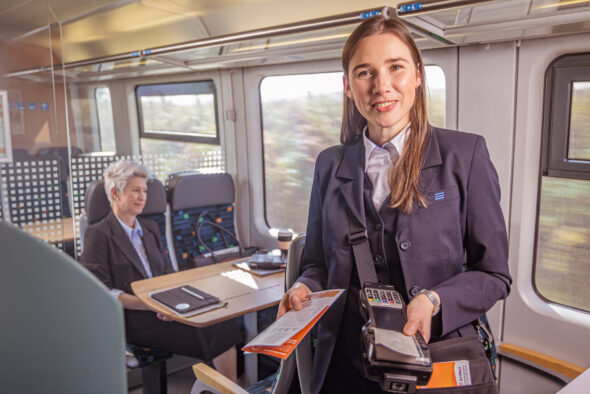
(34, 194)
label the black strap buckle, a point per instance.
(357, 237)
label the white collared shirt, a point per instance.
(378, 164)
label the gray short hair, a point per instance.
(119, 173)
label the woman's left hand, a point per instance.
(163, 317)
(419, 314)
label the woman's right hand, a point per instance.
(293, 298)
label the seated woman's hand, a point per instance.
(419, 314)
(293, 298)
(163, 317)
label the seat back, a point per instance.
(193, 195)
(155, 208)
(21, 155)
(303, 352)
(287, 370)
(64, 333)
(97, 205)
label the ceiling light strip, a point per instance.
(419, 7)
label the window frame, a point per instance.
(177, 136)
(559, 79)
(557, 99)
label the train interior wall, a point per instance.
(493, 89)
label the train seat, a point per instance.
(60, 151)
(64, 331)
(21, 155)
(151, 361)
(303, 352)
(206, 196)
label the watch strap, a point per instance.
(432, 297)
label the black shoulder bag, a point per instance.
(478, 350)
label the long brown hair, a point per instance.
(403, 179)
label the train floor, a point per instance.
(180, 377)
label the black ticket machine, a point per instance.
(398, 362)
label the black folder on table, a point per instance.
(187, 300)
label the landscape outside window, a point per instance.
(301, 116)
(175, 113)
(579, 140)
(105, 119)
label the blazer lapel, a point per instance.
(427, 172)
(352, 173)
(122, 241)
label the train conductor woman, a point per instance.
(428, 197)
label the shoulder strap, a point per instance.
(359, 240)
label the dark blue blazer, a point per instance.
(110, 256)
(462, 226)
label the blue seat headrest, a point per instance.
(199, 190)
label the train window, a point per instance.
(104, 110)
(579, 140)
(435, 99)
(562, 273)
(301, 115)
(185, 111)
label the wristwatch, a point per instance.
(432, 297)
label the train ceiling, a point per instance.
(76, 31)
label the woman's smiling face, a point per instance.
(382, 80)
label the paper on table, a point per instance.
(281, 337)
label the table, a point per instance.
(53, 231)
(244, 292)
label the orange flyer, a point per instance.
(283, 336)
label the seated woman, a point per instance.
(123, 248)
